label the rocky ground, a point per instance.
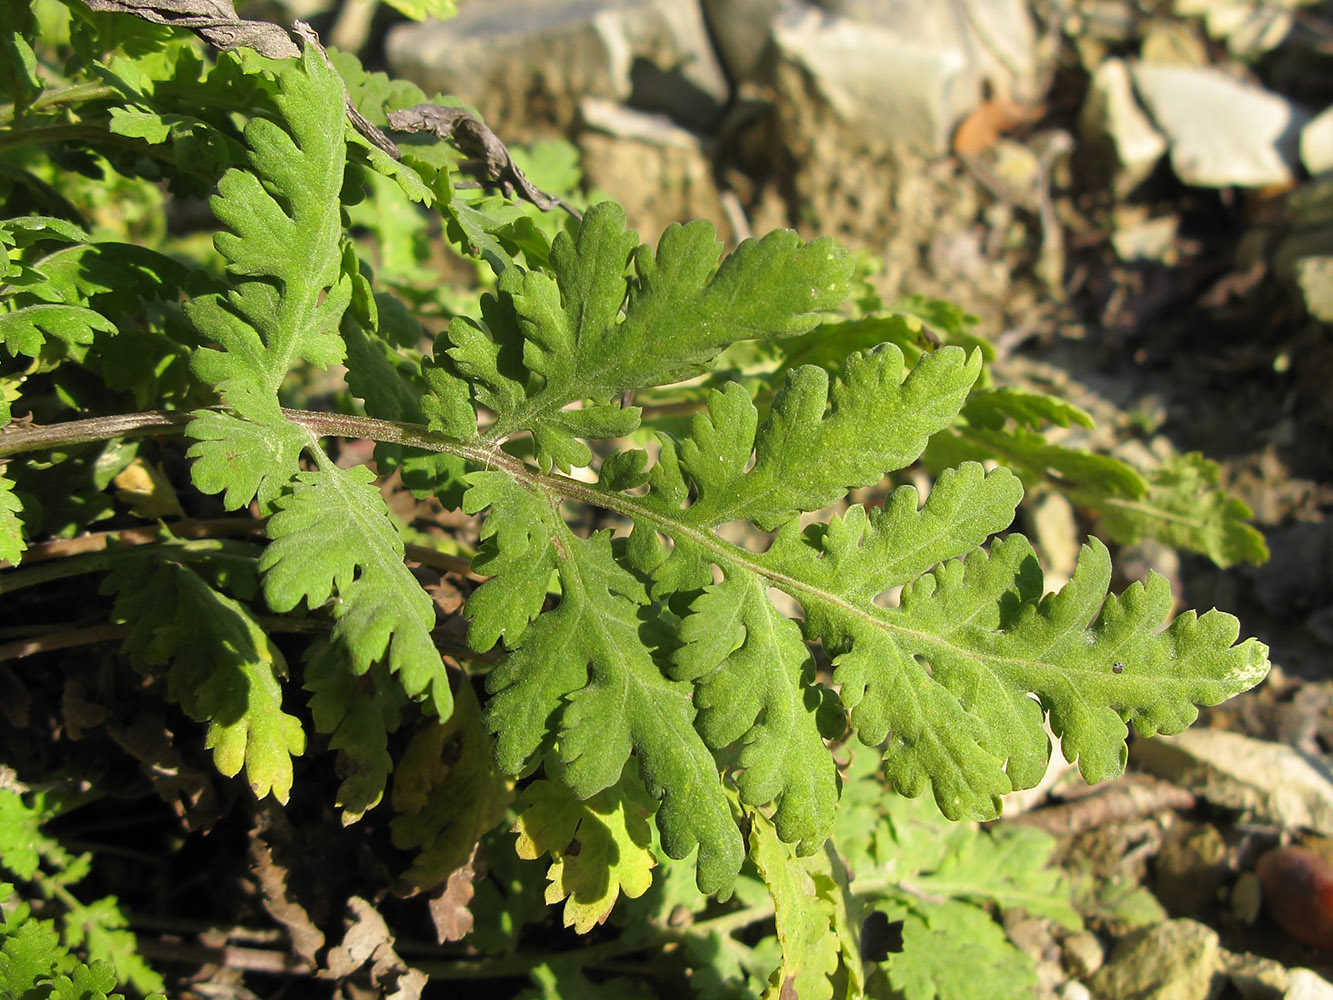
(1137, 201)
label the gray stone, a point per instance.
(1317, 142)
(1118, 137)
(525, 64)
(1146, 239)
(659, 172)
(1083, 952)
(1222, 132)
(1174, 960)
(1269, 781)
(1303, 984)
(1256, 978)
(1314, 278)
(741, 32)
(910, 70)
(1053, 527)
(1249, 28)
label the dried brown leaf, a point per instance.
(80, 715)
(213, 20)
(474, 138)
(980, 130)
(276, 895)
(192, 793)
(449, 904)
(368, 940)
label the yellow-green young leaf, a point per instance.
(263, 739)
(419, 10)
(447, 792)
(803, 915)
(599, 847)
(223, 668)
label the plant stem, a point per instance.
(15, 440)
(77, 94)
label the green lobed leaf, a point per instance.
(953, 951)
(25, 230)
(21, 841)
(332, 535)
(12, 545)
(516, 551)
(99, 930)
(554, 339)
(248, 454)
(290, 290)
(754, 682)
(873, 419)
(1185, 508)
(968, 725)
(25, 330)
(29, 950)
(583, 671)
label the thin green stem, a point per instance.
(12, 138)
(79, 93)
(15, 440)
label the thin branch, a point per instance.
(475, 139)
(62, 638)
(76, 94)
(218, 527)
(16, 439)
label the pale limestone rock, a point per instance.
(1269, 781)
(525, 64)
(1173, 960)
(1116, 131)
(1222, 132)
(1317, 142)
(909, 70)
